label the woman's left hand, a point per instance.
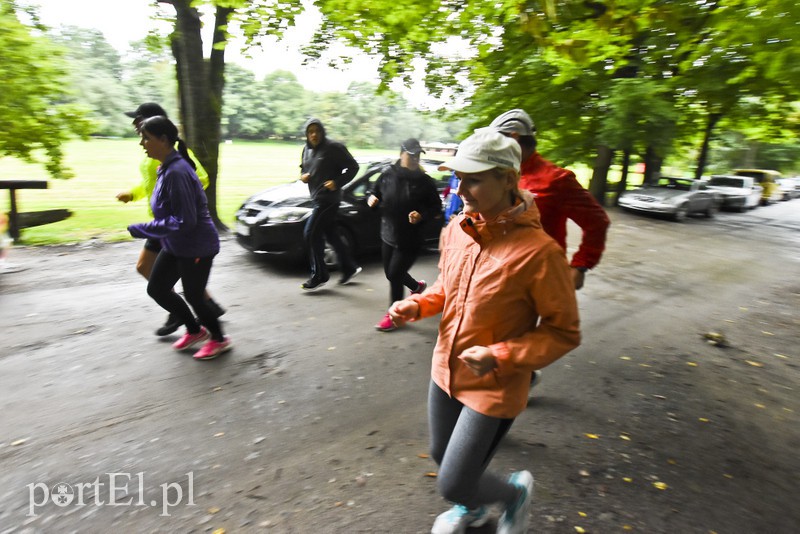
(480, 360)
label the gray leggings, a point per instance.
(463, 443)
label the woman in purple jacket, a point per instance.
(188, 238)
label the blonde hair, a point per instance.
(501, 173)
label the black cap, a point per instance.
(146, 110)
(411, 146)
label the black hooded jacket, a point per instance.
(401, 191)
(329, 160)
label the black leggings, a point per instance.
(396, 263)
(463, 443)
(193, 274)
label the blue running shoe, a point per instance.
(458, 518)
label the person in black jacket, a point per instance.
(407, 198)
(326, 166)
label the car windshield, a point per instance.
(725, 181)
(680, 184)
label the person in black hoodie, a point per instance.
(407, 198)
(326, 166)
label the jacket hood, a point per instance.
(309, 122)
(523, 213)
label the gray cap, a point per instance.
(514, 121)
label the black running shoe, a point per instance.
(313, 284)
(346, 278)
(217, 310)
(172, 324)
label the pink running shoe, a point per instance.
(212, 349)
(386, 324)
(423, 285)
(190, 340)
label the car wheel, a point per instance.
(681, 213)
(331, 260)
(711, 210)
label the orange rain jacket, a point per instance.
(503, 284)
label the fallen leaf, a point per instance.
(219, 434)
(627, 527)
(592, 436)
(213, 510)
(331, 348)
(18, 442)
(781, 356)
(627, 479)
(431, 474)
(691, 364)
(767, 333)
(579, 530)
(217, 389)
(672, 461)
(754, 364)
(760, 405)
(219, 531)
(423, 455)
(583, 473)
(660, 485)
(626, 438)
(582, 514)
(626, 358)
(703, 420)
(726, 475)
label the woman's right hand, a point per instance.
(125, 197)
(403, 311)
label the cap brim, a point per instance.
(132, 114)
(466, 165)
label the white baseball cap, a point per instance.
(485, 149)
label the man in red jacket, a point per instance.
(559, 196)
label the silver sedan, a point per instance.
(673, 197)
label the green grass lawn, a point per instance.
(104, 167)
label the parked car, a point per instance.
(789, 187)
(271, 222)
(672, 197)
(767, 179)
(736, 192)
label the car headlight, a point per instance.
(288, 215)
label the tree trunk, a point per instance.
(200, 85)
(623, 181)
(597, 186)
(652, 166)
(702, 159)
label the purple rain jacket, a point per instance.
(181, 221)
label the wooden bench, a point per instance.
(17, 221)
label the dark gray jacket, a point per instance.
(329, 160)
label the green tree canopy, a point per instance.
(35, 107)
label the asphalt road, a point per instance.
(316, 423)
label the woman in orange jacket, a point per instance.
(508, 308)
